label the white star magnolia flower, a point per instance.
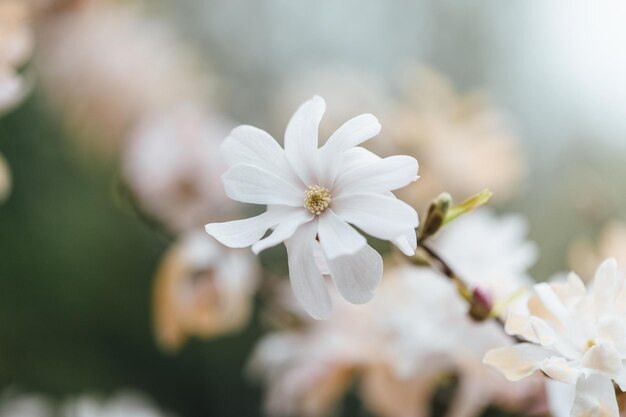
(311, 195)
(575, 336)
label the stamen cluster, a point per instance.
(316, 199)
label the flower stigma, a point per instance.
(317, 199)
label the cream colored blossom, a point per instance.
(108, 65)
(574, 335)
(202, 289)
(173, 167)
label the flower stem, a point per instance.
(436, 262)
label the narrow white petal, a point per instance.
(253, 146)
(381, 216)
(306, 280)
(605, 285)
(243, 233)
(251, 184)
(285, 229)
(352, 133)
(301, 139)
(384, 175)
(595, 396)
(517, 361)
(337, 237)
(357, 276)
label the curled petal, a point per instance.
(357, 276)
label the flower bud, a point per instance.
(481, 304)
(436, 216)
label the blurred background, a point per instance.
(112, 116)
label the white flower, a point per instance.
(202, 289)
(575, 336)
(311, 195)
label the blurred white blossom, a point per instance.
(13, 404)
(124, 404)
(312, 194)
(574, 335)
(202, 289)
(173, 167)
(403, 345)
(16, 45)
(107, 65)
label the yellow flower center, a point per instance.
(316, 199)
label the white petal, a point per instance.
(251, 184)
(605, 284)
(517, 361)
(301, 139)
(560, 370)
(253, 146)
(352, 133)
(381, 216)
(355, 131)
(355, 157)
(337, 237)
(553, 303)
(357, 276)
(384, 175)
(243, 233)
(284, 230)
(603, 358)
(406, 243)
(320, 258)
(306, 280)
(560, 397)
(595, 396)
(518, 324)
(611, 329)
